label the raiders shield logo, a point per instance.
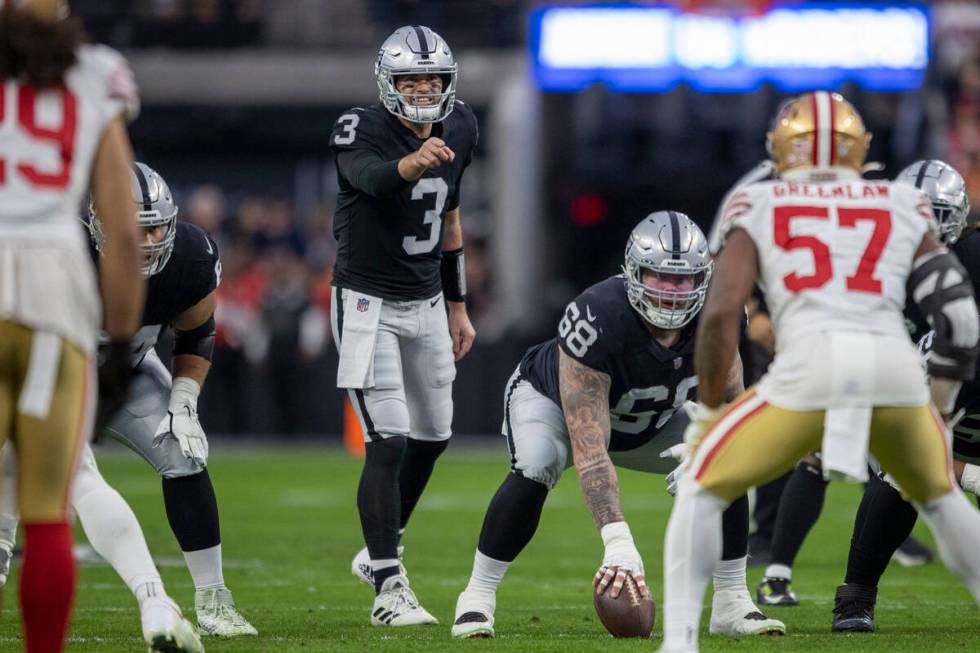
(678, 362)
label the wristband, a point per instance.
(453, 270)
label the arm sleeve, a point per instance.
(368, 173)
(474, 131)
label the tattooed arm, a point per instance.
(585, 399)
(735, 384)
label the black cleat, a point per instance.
(912, 553)
(776, 591)
(854, 609)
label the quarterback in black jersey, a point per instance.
(398, 307)
(609, 390)
(159, 419)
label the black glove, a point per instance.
(115, 375)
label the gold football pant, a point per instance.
(753, 442)
(47, 391)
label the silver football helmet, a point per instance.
(947, 192)
(670, 246)
(414, 50)
(155, 209)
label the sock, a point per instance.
(378, 502)
(9, 517)
(47, 585)
(487, 574)
(192, 510)
(779, 571)
(882, 523)
(735, 529)
(767, 505)
(512, 517)
(691, 550)
(729, 575)
(799, 509)
(147, 587)
(112, 529)
(383, 570)
(205, 567)
(416, 468)
(955, 524)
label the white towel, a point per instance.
(360, 333)
(847, 422)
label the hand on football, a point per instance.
(616, 576)
(181, 423)
(460, 330)
(433, 153)
(620, 558)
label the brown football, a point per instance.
(628, 615)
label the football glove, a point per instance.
(620, 558)
(679, 453)
(181, 422)
(702, 418)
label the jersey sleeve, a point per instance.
(473, 132)
(357, 129)
(112, 82)
(741, 210)
(587, 332)
(205, 269)
(915, 204)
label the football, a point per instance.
(628, 615)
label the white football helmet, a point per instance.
(670, 245)
(947, 193)
(415, 50)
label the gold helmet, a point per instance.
(45, 9)
(817, 130)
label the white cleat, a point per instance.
(360, 566)
(474, 615)
(218, 616)
(166, 630)
(396, 605)
(734, 613)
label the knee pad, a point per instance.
(541, 460)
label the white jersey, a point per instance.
(834, 260)
(48, 141)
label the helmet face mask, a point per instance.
(947, 194)
(817, 130)
(155, 211)
(667, 268)
(415, 50)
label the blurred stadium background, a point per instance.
(239, 97)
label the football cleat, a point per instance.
(776, 591)
(912, 553)
(734, 613)
(165, 629)
(854, 609)
(6, 553)
(217, 615)
(396, 605)
(474, 615)
(360, 566)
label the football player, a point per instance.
(836, 256)
(803, 499)
(609, 390)
(159, 419)
(884, 519)
(64, 106)
(399, 266)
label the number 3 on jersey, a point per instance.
(60, 136)
(432, 217)
(863, 279)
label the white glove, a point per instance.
(702, 418)
(970, 481)
(679, 453)
(181, 421)
(619, 559)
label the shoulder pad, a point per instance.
(108, 69)
(735, 211)
(357, 128)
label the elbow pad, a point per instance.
(453, 269)
(196, 342)
(942, 290)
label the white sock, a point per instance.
(9, 517)
(205, 567)
(383, 563)
(955, 523)
(691, 551)
(147, 587)
(730, 575)
(779, 571)
(113, 531)
(487, 574)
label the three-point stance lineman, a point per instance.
(400, 255)
(610, 390)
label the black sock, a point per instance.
(767, 506)
(735, 529)
(512, 517)
(883, 522)
(192, 510)
(799, 509)
(378, 502)
(416, 468)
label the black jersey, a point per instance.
(389, 243)
(650, 382)
(191, 274)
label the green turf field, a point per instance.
(290, 529)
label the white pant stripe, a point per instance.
(42, 372)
